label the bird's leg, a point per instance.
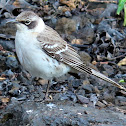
(47, 90)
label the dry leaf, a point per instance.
(77, 41)
(122, 62)
(23, 4)
(63, 8)
(95, 63)
(2, 78)
(5, 100)
(72, 4)
(43, 82)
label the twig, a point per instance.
(53, 91)
(103, 1)
(3, 36)
(9, 2)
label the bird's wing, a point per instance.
(58, 49)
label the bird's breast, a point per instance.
(35, 60)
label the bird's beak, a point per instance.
(11, 21)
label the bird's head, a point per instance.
(29, 21)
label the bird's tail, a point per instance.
(103, 77)
(90, 71)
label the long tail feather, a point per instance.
(103, 77)
(85, 69)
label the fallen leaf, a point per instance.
(2, 78)
(122, 62)
(5, 99)
(77, 41)
(63, 8)
(43, 82)
(95, 62)
(72, 4)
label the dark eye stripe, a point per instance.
(32, 25)
(23, 22)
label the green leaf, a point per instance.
(120, 6)
(124, 23)
(121, 81)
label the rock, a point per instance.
(68, 14)
(12, 62)
(96, 90)
(109, 69)
(85, 57)
(82, 99)
(78, 20)
(54, 20)
(86, 34)
(56, 4)
(109, 11)
(2, 63)
(63, 97)
(24, 80)
(57, 97)
(70, 38)
(7, 15)
(38, 114)
(109, 97)
(6, 86)
(9, 73)
(87, 88)
(40, 92)
(66, 25)
(15, 90)
(7, 44)
(100, 104)
(120, 100)
(120, 76)
(94, 99)
(104, 26)
(82, 20)
(76, 83)
(8, 28)
(96, 12)
(1, 88)
(122, 68)
(62, 78)
(69, 95)
(81, 92)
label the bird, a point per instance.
(44, 53)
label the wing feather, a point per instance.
(58, 48)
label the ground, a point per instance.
(97, 33)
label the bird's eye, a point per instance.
(27, 22)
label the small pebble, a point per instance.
(68, 14)
(12, 62)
